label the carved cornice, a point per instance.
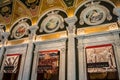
(21, 49)
(48, 45)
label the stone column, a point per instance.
(81, 59)
(4, 39)
(117, 51)
(29, 55)
(71, 63)
(62, 63)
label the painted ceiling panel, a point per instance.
(20, 11)
(32, 6)
(15, 9)
(6, 12)
(4, 1)
(50, 4)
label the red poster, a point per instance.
(11, 63)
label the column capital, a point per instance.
(4, 37)
(71, 24)
(33, 30)
(116, 11)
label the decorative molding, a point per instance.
(52, 22)
(98, 34)
(99, 38)
(46, 45)
(21, 49)
(20, 28)
(94, 14)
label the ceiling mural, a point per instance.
(32, 5)
(6, 10)
(12, 10)
(19, 10)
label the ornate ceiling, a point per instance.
(12, 10)
(17, 16)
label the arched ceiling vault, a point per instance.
(12, 10)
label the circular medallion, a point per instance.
(20, 30)
(51, 23)
(94, 15)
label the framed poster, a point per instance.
(11, 66)
(48, 65)
(11, 63)
(101, 59)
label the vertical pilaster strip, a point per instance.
(81, 59)
(62, 63)
(28, 60)
(117, 51)
(71, 63)
(34, 67)
(4, 39)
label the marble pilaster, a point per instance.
(71, 63)
(28, 60)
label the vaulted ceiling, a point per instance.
(12, 10)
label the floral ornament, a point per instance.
(20, 30)
(52, 22)
(94, 14)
